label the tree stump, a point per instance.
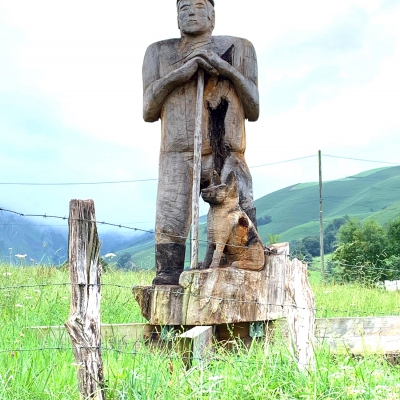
(219, 295)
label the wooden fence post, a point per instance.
(300, 314)
(83, 324)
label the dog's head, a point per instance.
(217, 192)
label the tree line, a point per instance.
(361, 251)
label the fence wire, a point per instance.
(371, 267)
(257, 303)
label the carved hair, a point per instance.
(211, 1)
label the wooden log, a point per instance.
(161, 304)
(196, 343)
(219, 295)
(355, 335)
(83, 324)
(275, 270)
(361, 335)
(126, 332)
(300, 314)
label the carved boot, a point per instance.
(251, 213)
(170, 260)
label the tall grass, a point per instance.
(34, 367)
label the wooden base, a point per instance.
(219, 295)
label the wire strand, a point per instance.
(128, 181)
(360, 159)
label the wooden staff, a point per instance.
(197, 170)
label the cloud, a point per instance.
(310, 67)
(71, 94)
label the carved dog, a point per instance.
(230, 231)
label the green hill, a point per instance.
(41, 244)
(46, 244)
(294, 210)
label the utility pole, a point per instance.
(321, 219)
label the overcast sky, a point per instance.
(71, 96)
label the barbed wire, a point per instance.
(67, 219)
(177, 292)
(125, 225)
(359, 266)
(170, 356)
(175, 236)
(121, 226)
(185, 238)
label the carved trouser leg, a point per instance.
(174, 198)
(174, 213)
(170, 259)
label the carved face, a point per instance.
(195, 17)
(217, 192)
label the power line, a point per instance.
(285, 161)
(127, 181)
(155, 179)
(75, 183)
(360, 159)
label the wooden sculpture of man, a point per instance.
(230, 96)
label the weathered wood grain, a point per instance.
(83, 324)
(121, 332)
(360, 335)
(197, 169)
(219, 295)
(196, 344)
(300, 314)
(354, 335)
(230, 232)
(170, 93)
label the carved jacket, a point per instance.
(223, 114)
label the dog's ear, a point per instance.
(231, 181)
(216, 180)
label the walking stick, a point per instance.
(197, 170)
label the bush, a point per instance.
(265, 220)
(363, 253)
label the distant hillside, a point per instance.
(41, 243)
(45, 243)
(294, 211)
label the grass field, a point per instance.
(37, 368)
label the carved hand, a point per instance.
(187, 70)
(157, 91)
(221, 66)
(246, 89)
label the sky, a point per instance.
(71, 97)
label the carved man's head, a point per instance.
(195, 17)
